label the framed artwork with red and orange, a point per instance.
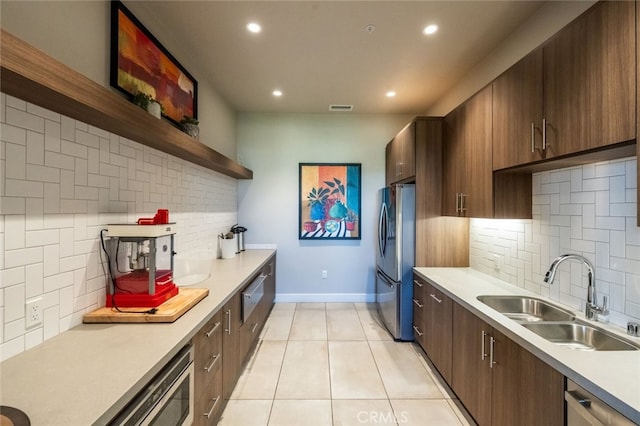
(140, 64)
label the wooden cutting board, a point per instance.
(169, 311)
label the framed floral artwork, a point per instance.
(329, 201)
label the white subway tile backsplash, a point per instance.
(16, 103)
(14, 303)
(11, 276)
(51, 198)
(15, 232)
(43, 237)
(22, 119)
(12, 205)
(596, 219)
(67, 180)
(61, 161)
(34, 280)
(23, 188)
(598, 184)
(51, 259)
(15, 169)
(35, 148)
(42, 112)
(13, 134)
(56, 282)
(52, 131)
(73, 206)
(21, 257)
(51, 326)
(32, 338)
(14, 329)
(42, 174)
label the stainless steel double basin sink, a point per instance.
(556, 324)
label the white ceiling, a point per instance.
(319, 52)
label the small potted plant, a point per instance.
(148, 103)
(189, 125)
(350, 220)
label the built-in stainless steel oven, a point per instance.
(168, 400)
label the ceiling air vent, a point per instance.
(341, 108)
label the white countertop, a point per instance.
(613, 376)
(87, 374)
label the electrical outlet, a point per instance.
(33, 314)
(325, 274)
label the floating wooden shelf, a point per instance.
(28, 73)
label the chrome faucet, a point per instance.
(591, 309)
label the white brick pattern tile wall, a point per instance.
(589, 210)
(61, 182)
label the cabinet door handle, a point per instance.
(462, 207)
(214, 360)
(492, 343)
(483, 350)
(533, 138)
(213, 408)
(215, 327)
(544, 134)
(457, 202)
(228, 314)
(418, 283)
(417, 303)
(433, 296)
(418, 332)
(253, 329)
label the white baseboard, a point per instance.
(324, 297)
(261, 246)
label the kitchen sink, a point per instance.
(526, 309)
(578, 336)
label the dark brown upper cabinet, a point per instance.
(573, 95)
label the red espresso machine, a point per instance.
(140, 265)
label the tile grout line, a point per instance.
(326, 323)
(396, 421)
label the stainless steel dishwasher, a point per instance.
(583, 408)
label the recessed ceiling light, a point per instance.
(430, 29)
(277, 93)
(254, 27)
(390, 94)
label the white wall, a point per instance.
(77, 34)
(272, 145)
(589, 210)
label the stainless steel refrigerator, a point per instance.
(395, 256)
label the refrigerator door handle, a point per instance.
(382, 230)
(385, 280)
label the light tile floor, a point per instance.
(335, 364)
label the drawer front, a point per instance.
(208, 354)
(208, 407)
(419, 289)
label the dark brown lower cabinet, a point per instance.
(438, 326)
(208, 372)
(498, 381)
(231, 344)
(418, 310)
(239, 337)
(432, 324)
